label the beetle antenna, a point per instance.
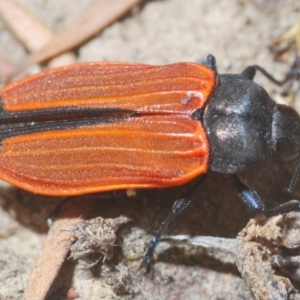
(294, 179)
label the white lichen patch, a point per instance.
(190, 95)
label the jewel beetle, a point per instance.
(107, 126)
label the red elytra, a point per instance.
(96, 127)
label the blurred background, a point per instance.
(239, 33)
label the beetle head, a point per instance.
(285, 133)
(286, 137)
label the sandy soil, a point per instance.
(158, 32)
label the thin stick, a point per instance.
(55, 249)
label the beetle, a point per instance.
(106, 126)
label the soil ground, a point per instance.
(157, 32)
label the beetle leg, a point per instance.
(211, 62)
(291, 74)
(57, 210)
(178, 207)
(248, 195)
(252, 200)
(294, 71)
(294, 179)
(59, 207)
(249, 72)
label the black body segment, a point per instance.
(238, 121)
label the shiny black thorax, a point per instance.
(246, 128)
(238, 121)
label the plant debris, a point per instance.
(257, 249)
(95, 236)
